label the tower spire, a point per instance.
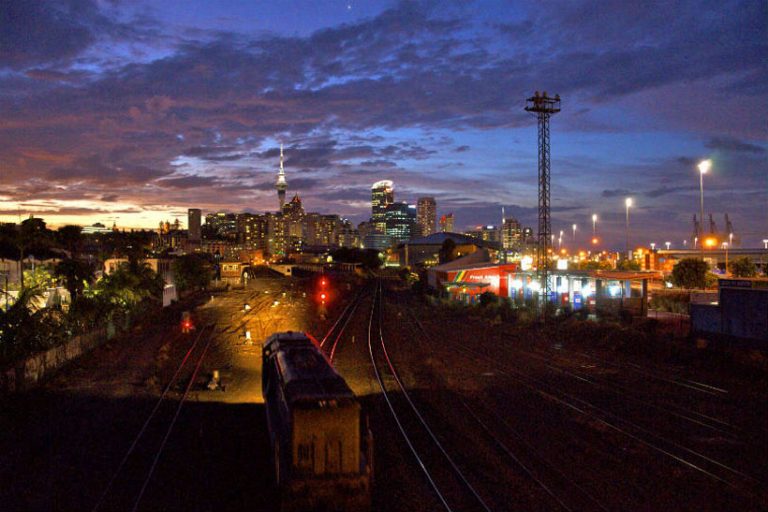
(281, 184)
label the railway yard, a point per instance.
(466, 413)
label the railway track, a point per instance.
(523, 457)
(689, 458)
(330, 341)
(132, 477)
(450, 484)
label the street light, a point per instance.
(704, 166)
(725, 246)
(574, 234)
(653, 246)
(594, 224)
(628, 203)
(667, 244)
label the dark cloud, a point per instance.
(663, 191)
(47, 31)
(110, 198)
(461, 149)
(616, 192)
(187, 182)
(731, 144)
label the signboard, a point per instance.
(742, 283)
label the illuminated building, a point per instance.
(399, 222)
(322, 230)
(252, 230)
(348, 236)
(220, 226)
(294, 225)
(488, 233)
(382, 195)
(426, 211)
(194, 225)
(276, 245)
(511, 234)
(447, 223)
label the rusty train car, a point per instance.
(322, 448)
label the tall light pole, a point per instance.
(594, 225)
(574, 236)
(725, 246)
(653, 246)
(667, 244)
(627, 203)
(704, 166)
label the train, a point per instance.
(322, 447)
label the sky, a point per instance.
(133, 111)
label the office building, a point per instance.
(194, 224)
(382, 195)
(400, 222)
(447, 223)
(511, 234)
(426, 212)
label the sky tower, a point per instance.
(281, 184)
(544, 107)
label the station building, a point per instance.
(599, 291)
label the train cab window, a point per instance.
(333, 456)
(305, 456)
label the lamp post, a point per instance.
(574, 236)
(667, 244)
(594, 225)
(653, 246)
(725, 246)
(627, 203)
(704, 166)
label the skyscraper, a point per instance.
(400, 222)
(382, 195)
(511, 234)
(447, 223)
(281, 184)
(194, 218)
(426, 211)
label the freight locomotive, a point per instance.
(322, 448)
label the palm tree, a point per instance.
(76, 273)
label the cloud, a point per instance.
(616, 192)
(731, 144)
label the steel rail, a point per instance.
(407, 439)
(426, 426)
(527, 381)
(149, 419)
(515, 458)
(172, 424)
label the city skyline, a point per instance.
(137, 113)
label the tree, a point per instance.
(743, 267)
(191, 272)
(70, 237)
(628, 265)
(447, 251)
(75, 273)
(690, 273)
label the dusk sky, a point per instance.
(135, 111)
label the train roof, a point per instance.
(306, 373)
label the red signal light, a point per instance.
(323, 282)
(322, 296)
